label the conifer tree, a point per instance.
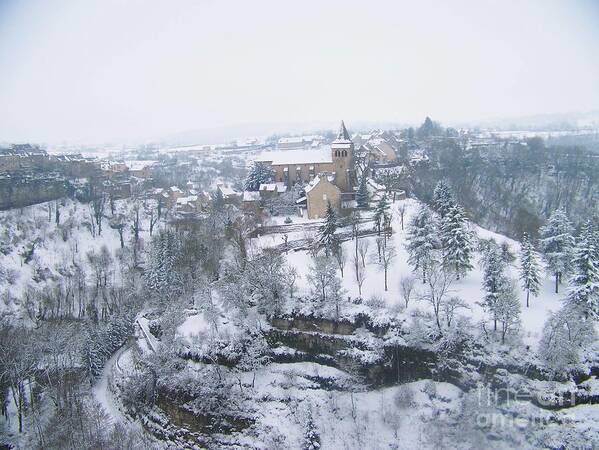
(381, 213)
(362, 196)
(327, 236)
(584, 284)
(457, 241)
(259, 173)
(557, 243)
(443, 199)
(423, 241)
(494, 281)
(529, 269)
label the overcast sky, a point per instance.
(103, 69)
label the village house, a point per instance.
(229, 194)
(250, 202)
(140, 169)
(268, 191)
(320, 193)
(300, 142)
(378, 151)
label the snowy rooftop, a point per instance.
(139, 165)
(186, 200)
(251, 196)
(272, 187)
(329, 176)
(290, 157)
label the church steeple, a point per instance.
(343, 135)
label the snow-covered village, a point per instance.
(318, 276)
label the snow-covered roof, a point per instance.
(328, 176)
(376, 186)
(251, 196)
(186, 200)
(139, 164)
(227, 191)
(280, 187)
(291, 157)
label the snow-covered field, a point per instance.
(469, 288)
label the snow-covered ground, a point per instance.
(469, 288)
(56, 247)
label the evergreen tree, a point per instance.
(529, 269)
(161, 273)
(443, 199)
(584, 284)
(362, 196)
(494, 281)
(218, 203)
(423, 241)
(327, 236)
(381, 213)
(557, 243)
(457, 241)
(259, 173)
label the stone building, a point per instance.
(302, 166)
(319, 193)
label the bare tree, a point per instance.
(340, 257)
(406, 287)
(401, 209)
(386, 255)
(118, 222)
(291, 278)
(451, 306)
(98, 205)
(153, 215)
(380, 243)
(135, 221)
(363, 251)
(438, 285)
(360, 272)
(57, 212)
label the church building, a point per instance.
(303, 166)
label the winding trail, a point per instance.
(101, 389)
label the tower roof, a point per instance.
(343, 135)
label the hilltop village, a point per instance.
(347, 288)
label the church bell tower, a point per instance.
(342, 152)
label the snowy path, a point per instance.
(101, 389)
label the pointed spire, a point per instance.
(343, 135)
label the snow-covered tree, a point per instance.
(437, 287)
(457, 241)
(259, 173)
(359, 272)
(322, 276)
(495, 281)
(264, 281)
(386, 256)
(160, 273)
(566, 334)
(443, 199)
(326, 235)
(529, 268)
(507, 308)
(362, 196)
(584, 284)
(557, 244)
(382, 214)
(423, 240)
